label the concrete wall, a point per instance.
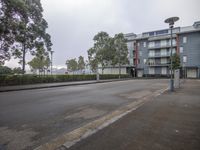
(112, 71)
(191, 48)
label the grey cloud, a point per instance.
(73, 23)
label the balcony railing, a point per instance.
(159, 55)
(161, 46)
(159, 64)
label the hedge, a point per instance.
(6, 80)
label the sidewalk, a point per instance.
(51, 85)
(169, 122)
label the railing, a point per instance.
(159, 55)
(161, 46)
(158, 64)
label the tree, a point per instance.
(99, 53)
(41, 61)
(92, 59)
(176, 61)
(22, 27)
(4, 70)
(108, 51)
(11, 12)
(121, 51)
(72, 64)
(81, 63)
(17, 70)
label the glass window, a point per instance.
(181, 49)
(173, 51)
(151, 70)
(151, 44)
(144, 44)
(151, 33)
(164, 70)
(163, 52)
(184, 59)
(185, 39)
(174, 42)
(163, 60)
(140, 53)
(131, 61)
(161, 32)
(151, 61)
(130, 45)
(151, 53)
(145, 61)
(138, 61)
(163, 43)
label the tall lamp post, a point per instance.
(171, 21)
(52, 61)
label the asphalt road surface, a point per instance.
(170, 121)
(33, 117)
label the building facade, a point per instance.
(149, 52)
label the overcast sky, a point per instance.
(73, 23)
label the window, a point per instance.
(144, 44)
(185, 39)
(184, 59)
(151, 33)
(163, 52)
(163, 60)
(151, 61)
(151, 53)
(174, 42)
(173, 51)
(161, 32)
(181, 49)
(151, 44)
(164, 70)
(151, 70)
(163, 43)
(140, 53)
(131, 61)
(130, 45)
(138, 61)
(145, 61)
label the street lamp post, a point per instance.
(171, 21)
(52, 61)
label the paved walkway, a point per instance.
(169, 122)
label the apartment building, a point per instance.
(149, 52)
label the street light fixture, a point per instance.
(171, 21)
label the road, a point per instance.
(33, 117)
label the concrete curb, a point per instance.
(67, 140)
(61, 85)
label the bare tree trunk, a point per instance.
(119, 64)
(23, 58)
